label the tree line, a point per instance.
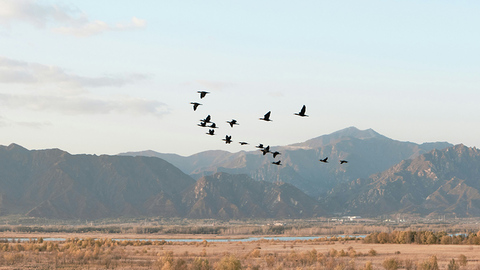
(423, 238)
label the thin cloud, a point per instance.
(84, 105)
(72, 20)
(37, 14)
(98, 27)
(33, 125)
(4, 122)
(14, 71)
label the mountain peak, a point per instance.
(349, 132)
(16, 148)
(357, 133)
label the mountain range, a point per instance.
(383, 176)
(436, 183)
(368, 152)
(54, 184)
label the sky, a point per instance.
(105, 77)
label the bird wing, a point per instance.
(203, 93)
(267, 115)
(304, 109)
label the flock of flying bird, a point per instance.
(233, 122)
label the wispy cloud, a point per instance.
(4, 122)
(38, 14)
(71, 101)
(14, 71)
(98, 27)
(72, 20)
(31, 124)
(84, 105)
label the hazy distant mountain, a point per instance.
(54, 184)
(238, 196)
(367, 151)
(439, 182)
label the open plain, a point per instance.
(132, 251)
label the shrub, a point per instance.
(229, 262)
(270, 260)
(453, 265)
(332, 252)
(368, 266)
(200, 264)
(255, 253)
(372, 252)
(462, 259)
(430, 264)
(390, 264)
(409, 265)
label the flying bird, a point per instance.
(324, 160)
(213, 125)
(203, 93)
(302, 112)
(207, 119)
(277, 162)
(195, 105)
(343, 161)
(202, 124)
(275, 154)
(211, 132)
(228, 139)
(266, 117)
(259, 146)
(233, 122)
(265, 150)
(242, 143)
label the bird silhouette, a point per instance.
(207, 119)
(228, 139)
(275, 154)
(266, 117)
(202, 93)
(343, 161)
(302, 112)
(211, 132)
(202, 123)
(242, 143)
(195, 105)
(259, 146)
(265, 150)
(233, 122)
(324, 160)
(213, 125)
(277, 162)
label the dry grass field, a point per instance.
(99, 252)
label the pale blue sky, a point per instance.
(111, 76)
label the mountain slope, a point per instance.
(238, 196)
(438, 182)
(52, 183)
